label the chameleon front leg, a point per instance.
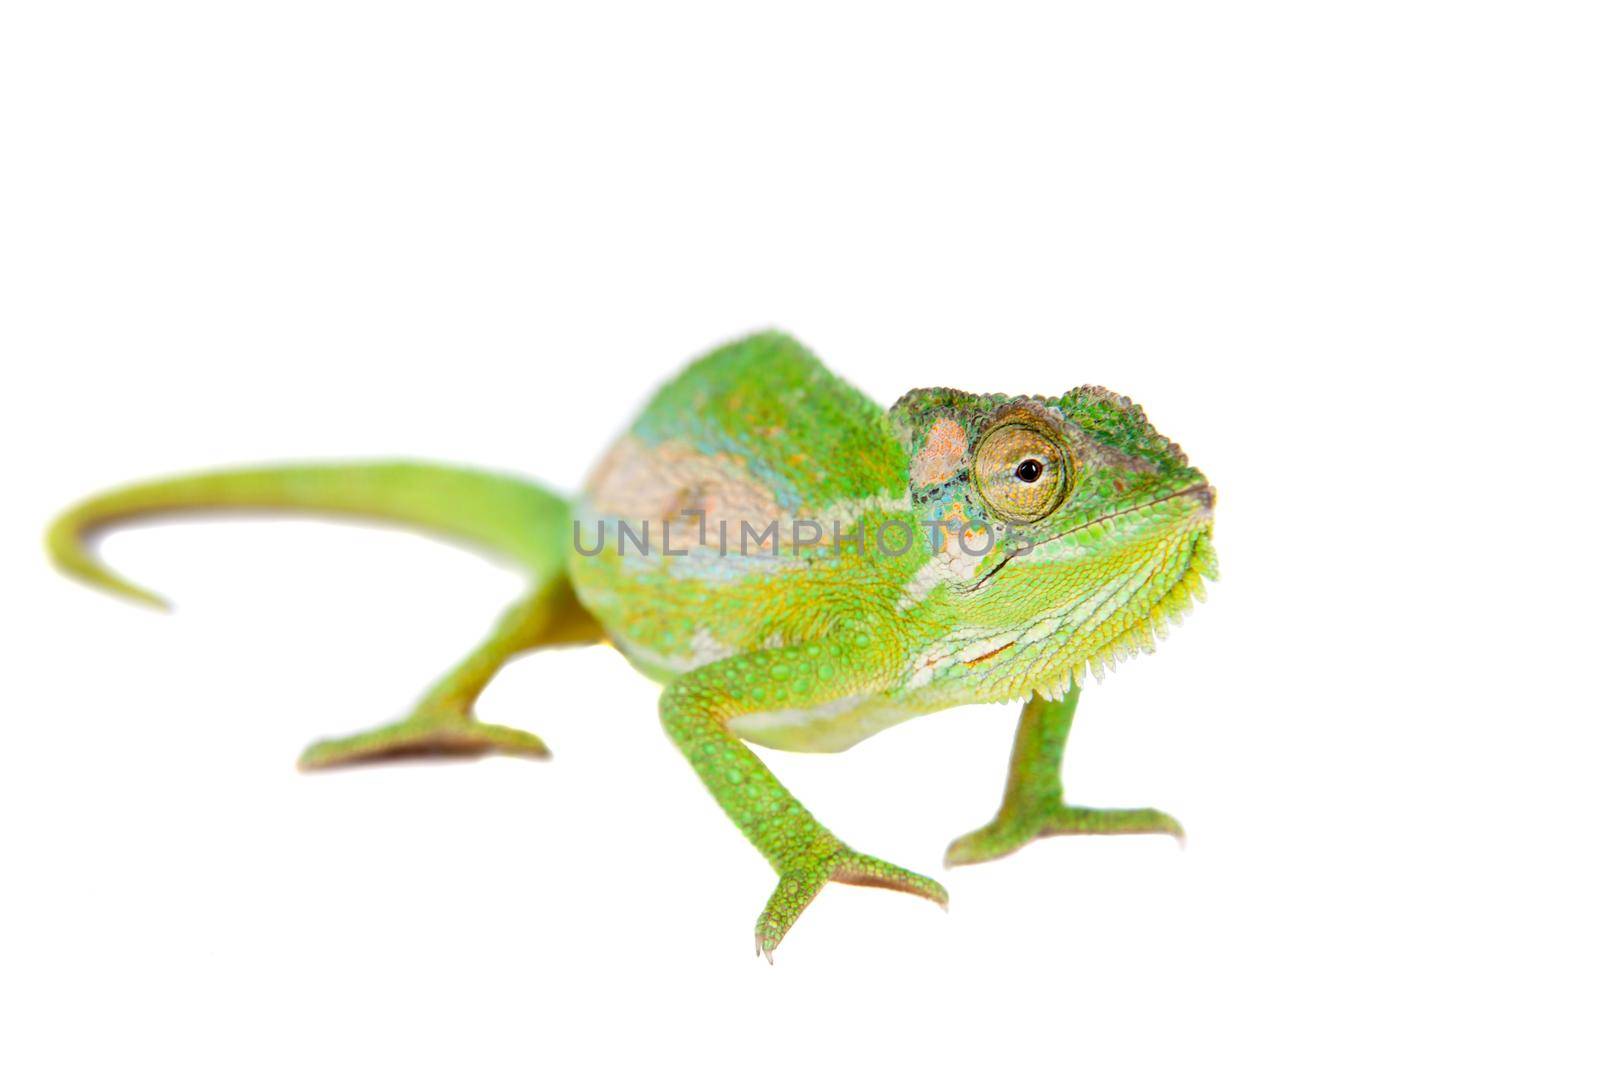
(1032, 805)
(696, 710)
(442, 723)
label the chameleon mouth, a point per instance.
(1203, 492)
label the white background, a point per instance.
(1345, 253)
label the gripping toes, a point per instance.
(1011, 830)
(799, 886)
(999, 838)
(425, 738)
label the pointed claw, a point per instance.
(796, 889)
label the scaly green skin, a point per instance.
(772, 588)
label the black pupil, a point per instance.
(1029, 470)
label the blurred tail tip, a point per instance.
(146, 599)
(114, 586)
(73, 559)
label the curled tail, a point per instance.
(505, 516)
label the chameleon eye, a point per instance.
(1021, 472)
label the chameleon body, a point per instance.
(800, 569)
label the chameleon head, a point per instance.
(1073, 532)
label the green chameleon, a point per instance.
(799, 569)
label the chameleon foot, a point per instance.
(1011, 830)
(424, 738)
(798, 886)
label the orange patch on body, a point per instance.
(941, 455)
(635, 481)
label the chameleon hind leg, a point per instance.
(696, 710)
(1032, 807)
(443, 723)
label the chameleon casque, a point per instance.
(799, 569)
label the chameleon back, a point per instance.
(709, 528)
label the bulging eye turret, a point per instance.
(1021, 471)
